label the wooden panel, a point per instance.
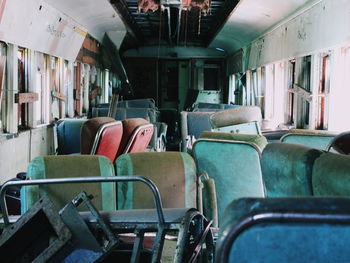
(26, 97)
(58, 95)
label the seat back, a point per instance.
(331, 175)
(172, 118)
(68, 135)
(174, 173)
(138, 103)
(287, 169)
(123, 113)
(192, 125)
(285, 230)
(311, 138)
(234, 166)
(137, 133)
(99, 111)
(340, 143)
(101, 136)
(66, 166)
(149, 114)
(243, 119)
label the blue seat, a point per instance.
(138, 103)
(284, 230)
(192, 125)
(68, 135)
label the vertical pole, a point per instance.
(12, 88)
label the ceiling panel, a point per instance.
(250, 19)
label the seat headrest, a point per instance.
(235, 116)
(259, 140)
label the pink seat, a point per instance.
(101, 136)
(137, 134)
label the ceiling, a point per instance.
(98, 18)
(174, 26)
(229, 25)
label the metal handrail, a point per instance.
(101, 179)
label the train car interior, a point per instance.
(174, 131)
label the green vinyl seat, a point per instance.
(283, 230)
(311, 138)
(234, 166)
(66, 166)
(331, 175)
(287, 169)
(174, 174)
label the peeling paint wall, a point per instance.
(321, 27)
(16, 153)
(35, 24)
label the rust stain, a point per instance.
(2, 8)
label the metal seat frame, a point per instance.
(162, 220)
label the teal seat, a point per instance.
(174, 174)
(287, 169)
(233, 165)
(63, 166)
(311, 138)
(331, 175)
(284, 230)
(68, 135)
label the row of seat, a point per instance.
(104, 136)
(173, 172)
(139, 108)
(176, 175)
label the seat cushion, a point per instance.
(64, 166)
(173, 173)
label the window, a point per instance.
(291, 82)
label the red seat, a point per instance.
(101, 136)
(137, 134)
